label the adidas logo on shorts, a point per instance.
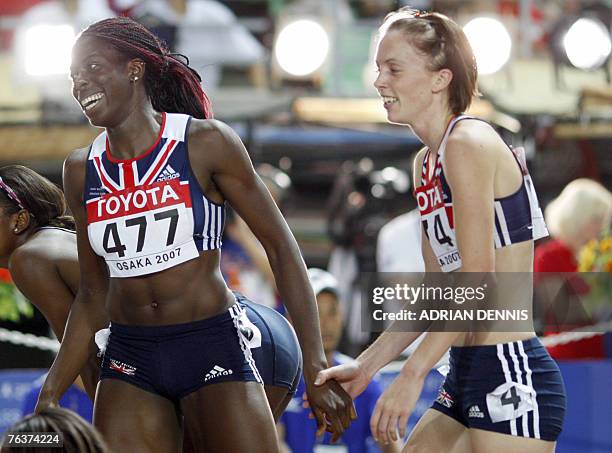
(475, 412)
(216, 372)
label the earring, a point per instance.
(134, 79)
(16, 230)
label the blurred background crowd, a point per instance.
(294, 78)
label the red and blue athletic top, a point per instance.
(518, 217)
(149, 213)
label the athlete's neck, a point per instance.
(431, 125)
(137, 133)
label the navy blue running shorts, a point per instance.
(176, 360)
(513, 388)
(279, 357)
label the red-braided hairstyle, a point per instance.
(170, 83)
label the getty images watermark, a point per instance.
(414, 298)
(493, 302)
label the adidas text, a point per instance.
(475, 412)
(216, 372)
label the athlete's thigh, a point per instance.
(132, 419)
(230, 416)
(278, 398)
(437, 432)
(487, 441)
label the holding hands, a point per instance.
(332, 407)
(393, 408)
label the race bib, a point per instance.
(143, 229)
(438, 225)
(510, 401)
(249, 332)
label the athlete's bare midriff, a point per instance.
(188, 292)
(512, 264)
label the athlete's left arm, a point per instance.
(469, 167)
(222, 157)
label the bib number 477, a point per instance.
(111, 232)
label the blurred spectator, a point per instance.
(244, 263)
(207, 31)
(299, 431)
(78, 435)
(75, 399)
(579, 214)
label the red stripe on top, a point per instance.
(140, 156)
(128, 175)
(105, 182)
(160, 163)
(449, 215)
(438, 164)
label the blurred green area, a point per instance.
(13, 305)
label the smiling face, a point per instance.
(101, 82)
(404, 82)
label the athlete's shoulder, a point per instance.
(32, 260)
(473, 136)
(77, 157)
(74, 175)
(214, 144)
(211, 130)
(473, 145)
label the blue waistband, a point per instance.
(174, 329)
(491, 349)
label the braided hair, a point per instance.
(170, 83)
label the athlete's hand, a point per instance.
(332, 407)
(351, 376)
(394, 407)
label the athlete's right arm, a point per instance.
(88, 313)
(356, 375)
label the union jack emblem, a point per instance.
(122, 367)
(445, 399)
